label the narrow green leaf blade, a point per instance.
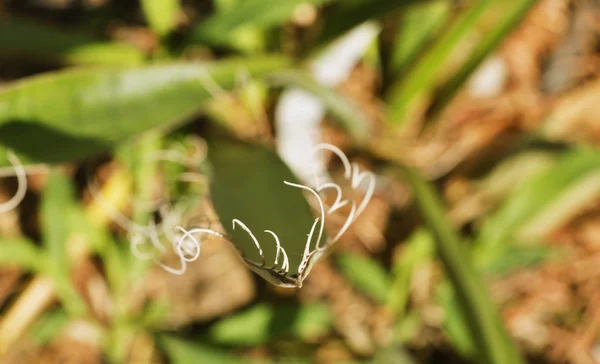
(22, 253)
(418, 249)
(57, 201)
(366, 274)
(485, 326)
(218, 28)
(57, 204)
(513, 13)
(48, 326)
(411, 92)
(68, 115)
(535, 194)
(262, 323)
(182, 351)
(418, 24)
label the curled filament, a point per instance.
(22, 184)
(148, 241)
(356, 177)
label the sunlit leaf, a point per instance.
(48, 326)
(57, 202)
(68, 115)
(22, 253)
(417, 26)
(519, 256)
(181, 351)
(262, 323)
(536, 194)
(161, 14)
(512, 14)
(416, 250)
(366, 274)
(412, 91)
(218, 28)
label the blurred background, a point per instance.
(479, 118)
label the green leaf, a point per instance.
(68, 115)
(512, 13)
(181, 351)
(262, 323)
(366, 274)
(536, 194)
(519, 256)
(408, 327)
(418, 249)
(311, 322)
(48, 326)
(417, 26)
(455, 324)
(352, 13)
(248, 328)
(248, 184)
(411, 92)
(57, 203)
(57, 200)
(22, 253)
(353, 120)
(161, 14)
(27, 39)
(486, 331)
(218, 28)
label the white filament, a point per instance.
(286, 264)
(21, 187)
(245, 228)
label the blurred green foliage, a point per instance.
(119, 98)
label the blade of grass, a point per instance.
(513, 13)
(182, 351)
(57, 202)
(23, 253)
(410, 92)
(417, 26)
(48, 326)
(23, 38)
(493, 344)
(418, 249)
(218, 28)
(534, 195)
(262, 323)
(366, 274)
(572, 201)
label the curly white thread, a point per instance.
(21, 187)
(356, 177)
(183, 243)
